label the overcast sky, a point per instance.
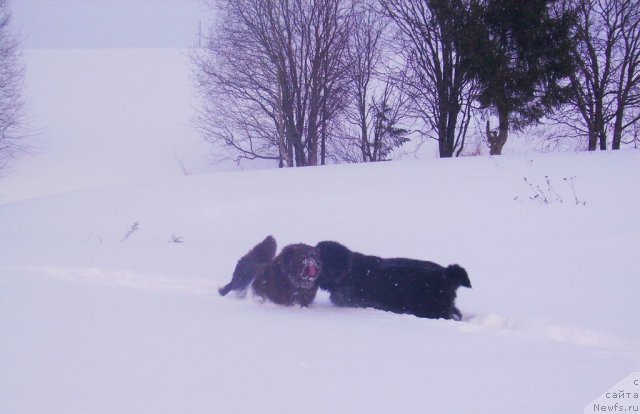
(107, 23)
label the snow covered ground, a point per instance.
(96, 323)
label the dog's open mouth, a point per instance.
(310, 273)
(310, 269)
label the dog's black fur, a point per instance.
(421, 288)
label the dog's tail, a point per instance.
(264, 251)
(247, 268)
(226, 289)
(457, 276)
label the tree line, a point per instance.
(303, 82)
(306, 82)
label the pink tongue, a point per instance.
(312, 271)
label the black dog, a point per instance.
(421, 288)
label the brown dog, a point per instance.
(248, 266)
(290, 278)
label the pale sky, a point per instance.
(107, 23)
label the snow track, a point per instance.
(115, 278)
(531, 329)
(539, 329)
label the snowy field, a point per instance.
(94, 322)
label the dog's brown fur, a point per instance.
(250, 264)
(290, 278)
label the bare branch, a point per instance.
(435, 81)
(12, 106)
(271, 77)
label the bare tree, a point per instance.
(377, 104)
(268, 75)
(627, 91)
(606, 90)
(632, 134)
(437, 82)
(12, 107)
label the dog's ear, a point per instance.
(457, 275)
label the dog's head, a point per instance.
(302, 265)
(335, 263)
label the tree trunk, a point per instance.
(593, 139)
(312, 122)
(323, 140)
(444, 142)
(364, 134)
(599, 136)
(498, 139)
(452, 122)
(617, 131)
(445, 128)
(323, 136)
(603, 140)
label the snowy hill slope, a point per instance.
(96, 324)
